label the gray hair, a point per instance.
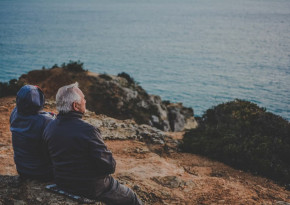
(66, 96)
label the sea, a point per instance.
(198, 52)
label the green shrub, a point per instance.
(105, 76)
(10, 88)
(244, 136)
(74, 66)
(127, 77)
(54, 66)
(166, 102)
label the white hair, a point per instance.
(66, 96)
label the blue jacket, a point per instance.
(27, 124)
(80, 158)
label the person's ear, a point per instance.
(75, 106)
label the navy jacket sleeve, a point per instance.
(102, 157)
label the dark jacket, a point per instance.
(81, 160)
(27, 124)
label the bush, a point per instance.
(10, 88)
(54, 66)
(244, 136)
(74, 66)
(105, 76)
(127, 77)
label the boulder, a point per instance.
(169, 181)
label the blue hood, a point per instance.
(29, 100)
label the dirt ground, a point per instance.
(167, 177)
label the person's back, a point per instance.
(27, 124)
(81, 161)
(80, 157)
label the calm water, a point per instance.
(199, 52)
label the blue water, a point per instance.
(199, 52)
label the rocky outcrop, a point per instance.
(116, 96)
(114, 129)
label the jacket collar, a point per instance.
(71, 114)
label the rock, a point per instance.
(136, 187)
(143, 104)
(190, 123)
(39, 199)
(142, 150)
(130, 94)
(176, 119)
(19, 202)
(164, 193)
(154, 119)
(169, 181)
(180, 117)
(113, 129)
(190, 183)
(3, 109)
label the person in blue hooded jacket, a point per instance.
(27, 123)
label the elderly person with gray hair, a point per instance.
(81, 161)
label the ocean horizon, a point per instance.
(199, 52)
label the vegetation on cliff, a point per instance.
(245, 136)
(10, 88)
(74, 66)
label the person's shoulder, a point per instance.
(90, 129)
(13, 115)
(14, 112)
(46, 116)
(86, 125)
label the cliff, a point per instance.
(148, 161)
(115, 96)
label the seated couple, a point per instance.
(64, 148)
